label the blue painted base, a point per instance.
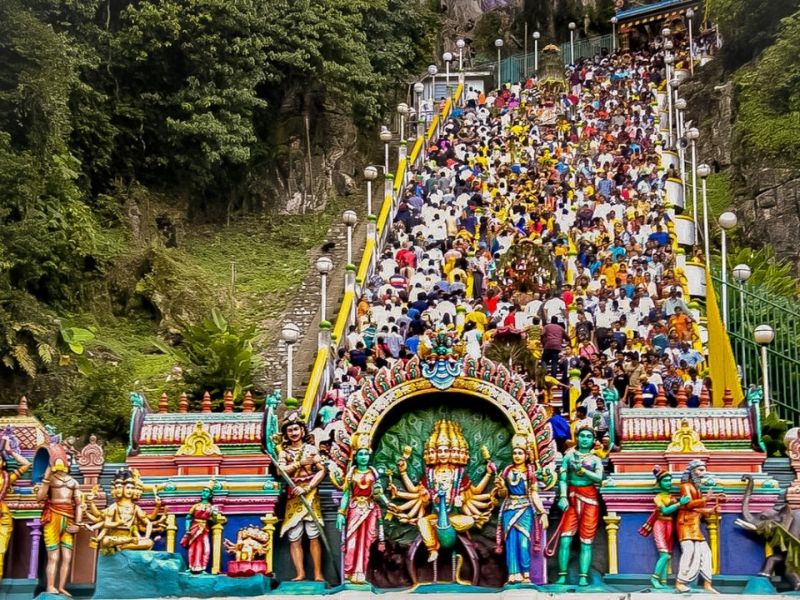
(450, 588)
(48, 596)
(522, 586)
(595, 585)
(17, 589)
(301, 588)
(130, 575)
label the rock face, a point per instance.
(163, 574)
(766, 193)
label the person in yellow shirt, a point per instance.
(477, 316)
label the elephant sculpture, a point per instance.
(780, 527)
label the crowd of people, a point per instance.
(543, 214)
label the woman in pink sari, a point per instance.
(196, 540)
(360, 516)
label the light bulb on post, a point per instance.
(666, 32)
(690, 14)
(703, 170)
(728, 220)
(692, 134)
(742, 272)
(324, 265)
(680, 104)
(536, 35)
(572, 26)
(460, 43)
(498, 43)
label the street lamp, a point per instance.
(432, 71)
(692, 134)
(536, 36)
(763, 335)
(704, 171)
(680, 106)
(689, 17)
(460, 45)
(727, 221)
(741, 273)
(674, 84)
(666, 32)
(613, 34)
(572, 42)
(289, 334)
(668, 60)
(498, 43)
(370, 174)
(447, 57)
(419, 87)
(402, 110)
(386, 137)
(349, 218)
(324, 266)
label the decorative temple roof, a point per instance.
(655, 10)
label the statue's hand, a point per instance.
(544, 521)
(381, 547)
(73, 528)
(458, 502)
(563, 503)
(340, 520)
(684, 500)
(491, 467)
(402, 465)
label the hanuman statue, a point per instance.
(444, 502)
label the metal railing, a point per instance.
(748, 307)
(512, 68)
(325, 362)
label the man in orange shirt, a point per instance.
(695, 553)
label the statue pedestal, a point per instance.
(246, 568)
(17, 589)
(301, 588)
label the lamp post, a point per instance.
(324, 266)
(402, 111)
(741, 273)
(498, 43)
(349, 218)
(668, 61)
(289, 334)
(572, 42)
(447, 57)
(432, 71)
(613, 34)
(763, 335)
(704, 171)
(727, 221)
(674, 84)
(680, 106)
(692, 134)
(525, 52)
(370, 174)
(689, 17)
(460, 45)
(419, 88)
(386, 137)
(536, 36)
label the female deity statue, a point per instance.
(9, 446)
(662, 524)
(523, 519)
(359, 514)
(197, 540)
(444, 502)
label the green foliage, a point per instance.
(773, 430)
(76, 338)
(217, 356)
(415, 427)
(769, 97)
(770, 275)
(98, 404)
(747, 26)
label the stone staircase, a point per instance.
(304, 309)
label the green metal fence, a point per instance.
(748, 307)
(512, 68)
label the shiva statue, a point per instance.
(661, 524)
(359, 515)
(580, 477)
(523, 519)
(444, 502)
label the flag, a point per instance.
(721, 362)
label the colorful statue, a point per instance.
(301, 462)
(60, 517)
(8, 447)
(250, 552)
(445, 489)
(523, 520)
(580, 477)
(662, 524)
(123, 525)
(359, 515)
(197, 539)
(695, 553)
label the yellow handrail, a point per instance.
(338, 331)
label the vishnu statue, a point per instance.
(444, 502)
(581, 475)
